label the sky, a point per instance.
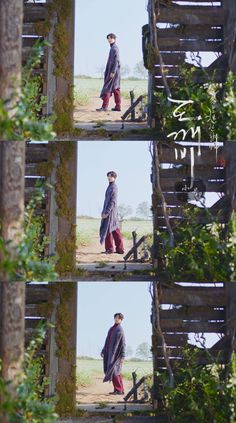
(130, 160)
(97, 304)
(97, 18)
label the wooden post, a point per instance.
(155, 401)
(132, 102)
(11, 18)
(66, 324)
(12, 157)
(230, 33)
(134, 377)
(134, 235)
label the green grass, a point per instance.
(88, 229)
(89, 87)
(88, 369)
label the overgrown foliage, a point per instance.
(24, 122)
(29, 406)
(28, 263)
(213, 106)
(204, 253)
(201, 393)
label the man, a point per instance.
(109, 229)
(111, 77)
(113, 354)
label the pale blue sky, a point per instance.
(99, 301)
(132, 162)
(95, 19)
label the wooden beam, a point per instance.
(201, 171)
(36, 153)
(194, 296)
(195, 15)
(180, 339)
(178, 44)
(208, 156)
(171, 58)
(37, 293)
(201, 32)
(193, 313)
(211, 186)
(34, 12)
(178, 325)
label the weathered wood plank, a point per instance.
(30, 41)
(177, 44)
(33, 310)
(195, 15)
(181, 339)
(171, 211)
(208, 156)
(31, 169)
(31, 323)
(204, 172)
(160, 362)
(36, 153)
(172, 58)
(29, 28)
(172, 72)
(197, 313)
(34, 12)
(178, 325)
(37, 294)
(178, 352)
(201, 32)
(194, 296)
(211, 186)
(31, 182)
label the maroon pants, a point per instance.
(107, 97)
(116, 236)
(118, 383)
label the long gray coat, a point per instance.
(113, 66)
(111, 223)
(113, 352)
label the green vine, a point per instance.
(64, 331)
(29, 263)
(204, 253)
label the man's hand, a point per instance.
(112, 75)
(104, 216)
(102, 355)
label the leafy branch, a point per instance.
(22, 121)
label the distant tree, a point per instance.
(143, 210)
(129, 351)
(143, 351)
(100, 71)
(140, 71)
(123, 212)
(125, 70)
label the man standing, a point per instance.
(109, 229)
(111, 77)
(113, 354)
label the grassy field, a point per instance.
(86, 88)
(87, 369)
(87, 229)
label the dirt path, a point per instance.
(93, 253)
(98, 392)
(88, 113)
